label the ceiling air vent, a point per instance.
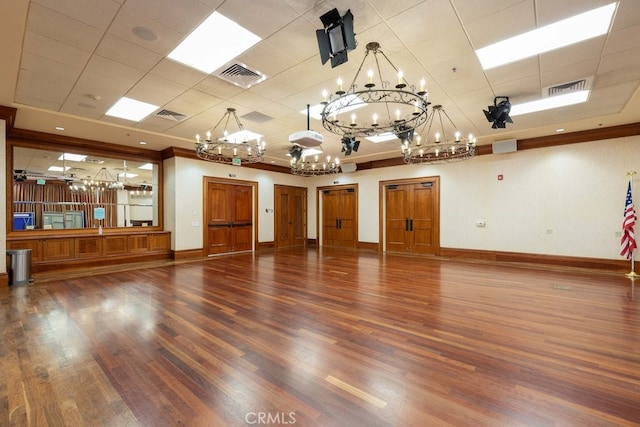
(171, 115)
(239, 74)
(574, 86)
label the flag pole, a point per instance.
(632, 274)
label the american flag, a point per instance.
(628, 242)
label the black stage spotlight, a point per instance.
(336, 38)
(404, 134)
(349, 144)
(499, 112)
(296, 153)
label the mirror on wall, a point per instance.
(56, 190)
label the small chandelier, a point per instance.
(144, 191)
(377, 106)
(101, 182)
(301, 165)
(439, 148)
(231, 149)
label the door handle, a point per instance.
(406, 224)
(411, 224)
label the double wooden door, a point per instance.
(339, 217)
(412, 217)
(229, 218)
(290, 216)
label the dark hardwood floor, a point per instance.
(322, 338)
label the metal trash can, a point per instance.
(19, 266)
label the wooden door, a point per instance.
(339, 217)
(423, 238)
(411, 218)
(397, 218)
(229, 218)
(290, 216)
(242, 218)
(219, 214)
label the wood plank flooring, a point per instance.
(322, 338)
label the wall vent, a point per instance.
(171, 115)
(239, 74)
(573, 86)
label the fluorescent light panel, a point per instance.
(544, 39)
(58, 168)
(130, 109)
(213, 43)
(383, 137)
(550, 102)
(146, 166)
(72, 157)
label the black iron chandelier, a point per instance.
(229, 149)
(375, 106)
(438, 145)
(305, 165)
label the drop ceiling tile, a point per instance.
(96, 13)
(298, 48)
(125, 52)
(191, 102)
(251, 15)
(413, 26)
(578, 53)
(620, 61)
(62, 28)
(113, 70)
(217, 87)
(179, 73)
(513, 71)
(620, 41)
(569, 72)
(182, 17)
(503, 23)
(128, 19)
(156, 90)
(54, 50)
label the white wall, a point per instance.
(564, 200)
(183, 214)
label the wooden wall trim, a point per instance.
(31, 139)
(599, 134)
(171, 152)
(4, 279)
(8, 114)
(525, 258)
(188, 254)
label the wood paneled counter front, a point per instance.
(59, 251)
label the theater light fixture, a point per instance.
(443, 142)
(237, 148)
(498, 113)
(349, 145)
(336, 38)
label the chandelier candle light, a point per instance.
(378, 106)
(240, 147)
(438, 148)
(304, 167)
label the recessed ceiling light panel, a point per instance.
(130, 109)
(215, 42)
(563, 33)
(550, 103)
